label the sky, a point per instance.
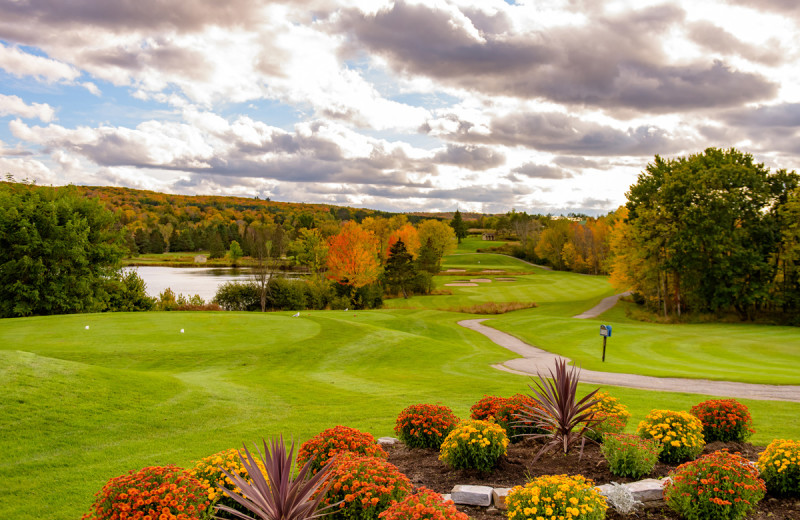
(543, 106)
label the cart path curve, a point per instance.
(603, 306)
(534, 360)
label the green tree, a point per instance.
(428, 258)
(441, 236)
(58, 251)
(708, 225)
(156, 243)
(400, 271)
(312, 250)
(215, 246)
(235, 252)
(459, 226)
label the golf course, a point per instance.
(87, 397)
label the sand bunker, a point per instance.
(493, 271)
(480, 280)
(461, 284)
(455, 270)
(505, 279)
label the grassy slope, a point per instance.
(82, 406)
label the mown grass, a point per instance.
(81, 406)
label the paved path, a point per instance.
(603, 306)
(534, 360)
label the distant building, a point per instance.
(200, 259)
(487, 236)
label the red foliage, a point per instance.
(423, 505)
(339, 439)
(425, 425)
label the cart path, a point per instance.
(536, 360)
(603, 306)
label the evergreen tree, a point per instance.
(400, 271)
(428, 258)
(156, 243)
(459, 226)
(215, 246)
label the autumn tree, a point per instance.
(409, 236)
(353, 257)
(441, 236)
(550, 246)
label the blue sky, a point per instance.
(544, 106)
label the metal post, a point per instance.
(604, 348)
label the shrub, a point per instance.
(423, 505)
(425, 425)
(363, 487)
(208, 472)
(511, 416)
(474, 445)
(564, 419)
(718, 486)
(238, 296)
(323, 446)
(286, 294)
(724, 420)
(271, 492)
(630, 456)
(151, 492)
(486, 408)
(780, 467)
(611, 415)
(556, 496)
(680, 433)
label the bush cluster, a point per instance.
(487, 407)
(629, 455)
(425, 425)
(474, 445)
(423, 505)
(680, 433)
(152, 493)
(365, 486)
(504, 410)
(613, 416)
(556, 496)
(780, 467)
(724, 420)
(339, 439)
(718, 486)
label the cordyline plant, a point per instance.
(277, 496)
(564, 420)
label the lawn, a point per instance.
(81, 406)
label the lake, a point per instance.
(190, 280)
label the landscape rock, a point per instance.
(499, 496)
(649, 491)
(472, 495)
(388, 441)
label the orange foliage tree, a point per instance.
(353, 256)
(410, 237)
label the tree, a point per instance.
(410, 237)
(400, 270)
(551, 243)
(235, 252)
(524, 226)
(709, 230)
(312, 250)
(459, 226)
(428, 259)
(353, 257)
(156, 243)
(58, 251)
(267, 243)
(215, 246)
(442, 238)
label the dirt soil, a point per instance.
(423, 468)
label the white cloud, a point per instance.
(20, 64)
(14, 105)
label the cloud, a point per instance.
(471, 157)
(14, 105)
(782, 115)
(540, 171)
(19, 63)
(717, 39)
(611, 62)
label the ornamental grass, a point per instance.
(724, 420)
(718, 486)
(556, 496)
(423, 505)
(363, 487)
(629, 455)
(780, 467)
(474, 445)
(680, 433)
(339, 439)
(152, 493)
(511, 416)
(425, 425)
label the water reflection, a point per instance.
(190, 280)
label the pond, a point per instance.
(188, 281)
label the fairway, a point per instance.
(81, 406)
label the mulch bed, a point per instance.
(423, 468)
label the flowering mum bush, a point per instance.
(780, 467)
(474, 445)
(365, 486)
(152, 493)
(612, 413)
(718, 486)
(680, 433)
(556, 496)
(208, 473)
(486, 408)
(724, 420)
(423, 505)
(425, 425)
(508, 416)
(339, 439)
(630, 456)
